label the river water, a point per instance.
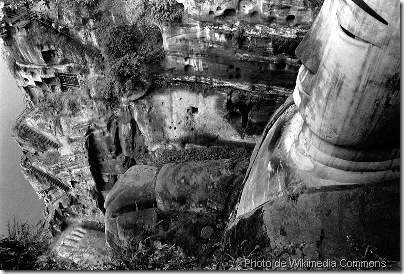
(17, 197)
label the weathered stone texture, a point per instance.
(317, 224)
(323, 181)
(81, 244)
(223, 75)
(194, 186)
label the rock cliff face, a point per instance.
(227, 66)
(324, 180)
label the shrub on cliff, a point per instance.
(315, 5)
(26, 248)
(125, 76)
(129, 67)
(123, 40)
(120, 40)
(285, 45)
(51, 105)
(22, 247)
(73, 106)
(160, 12)
(29, 249)
(129, 50)
(88, 3)
(164, 11)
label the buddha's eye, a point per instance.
(347, 32)
(370, 11)
(350, 34)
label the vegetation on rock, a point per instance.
(26, 248)
(315, 5)
(129, 52)
(163, 12)
(51, 105)
(285, 45)
(22, 247)
(132, 49)
(30, 249)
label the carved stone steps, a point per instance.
(50, 179)
(38, 136)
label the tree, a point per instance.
(128, 50)
(120, 40)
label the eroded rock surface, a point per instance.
(175, 200)
(352, 223)
(226, 67)
(131, 205)
(322, 181)
(194, 186)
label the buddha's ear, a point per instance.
(310, 50)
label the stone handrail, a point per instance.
(38, 136)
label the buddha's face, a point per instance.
(347, 90)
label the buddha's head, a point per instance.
(348, 89)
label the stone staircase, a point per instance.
(52, 180)
(38, 136)
(63, 31)
(22, 115)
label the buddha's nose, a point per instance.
(309, 52)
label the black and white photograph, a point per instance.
(200, 135)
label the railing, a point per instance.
(68, 80)
(53, 181)
(91, 51)
(18, 14)
(36, 135)
(22, 116)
